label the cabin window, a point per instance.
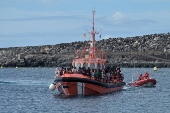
(97, 65)
(88, 64)
(77, 65)
(101, 66)
(85, 65)
(92, 66)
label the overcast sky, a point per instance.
(50, 22)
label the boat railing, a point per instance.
(114, 76)
(88, 54)
(70, 72)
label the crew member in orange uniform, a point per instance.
(141, 77)
(146, 75)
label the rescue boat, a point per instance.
(79, 82)
(146, 82)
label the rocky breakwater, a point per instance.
(144, 51)
(43, 56)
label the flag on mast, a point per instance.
(84, 35)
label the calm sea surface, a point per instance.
(25, 90)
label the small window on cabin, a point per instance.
(98, 65)
(77, 65)
(85, 65)
(92, 66)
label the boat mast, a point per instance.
(93, 48)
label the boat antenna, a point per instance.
(93, 32)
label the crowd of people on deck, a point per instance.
(146, 76)
(108, 75)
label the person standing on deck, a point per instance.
(57, 72)
(92, 73)
(74, 70)
(146, 76)
(88, 72)
(80, 70)
(141, 77)
(62, 71)
(108, 77)
(102, 75)
(97, 74)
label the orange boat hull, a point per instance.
(77, 88)
(84, 86)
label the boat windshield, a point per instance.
(91, 65)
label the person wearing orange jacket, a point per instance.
(146, 76)
(141, 77)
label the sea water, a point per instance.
(25, 90)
